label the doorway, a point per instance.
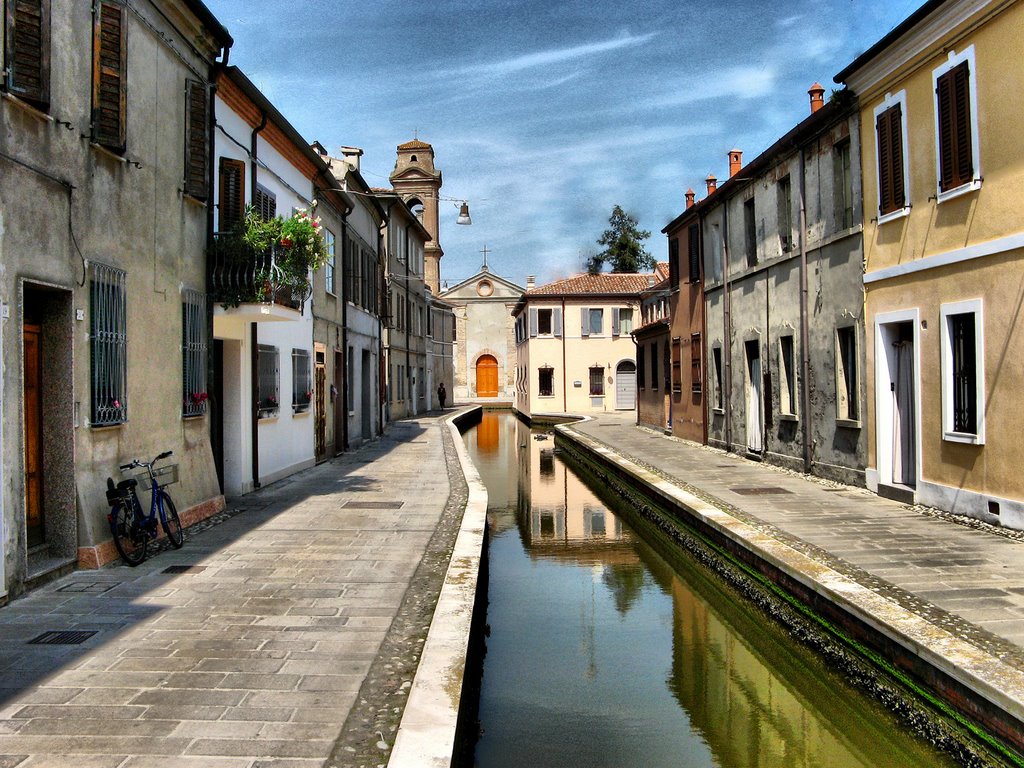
(320, 401)
(367, 400)
(487, 376)
(340, 406)
(755, 396)
(896, 403)
(35, 521)
(625, 386)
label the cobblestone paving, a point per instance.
(963, 575)
(258, 656)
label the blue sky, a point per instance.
(545, 115)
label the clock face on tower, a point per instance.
(484, 288)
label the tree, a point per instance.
(623, 246)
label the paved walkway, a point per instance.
(963, 576)
(255, 656)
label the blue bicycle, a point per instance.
(131, 526)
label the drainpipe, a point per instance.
(382, 291)
(565, 371)
(408, 321)
(254, 384)
(703, 331)
(345, 362)
(727, 333)
(216, 408)
(636, 356)
(805, 360)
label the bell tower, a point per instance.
(418, 183)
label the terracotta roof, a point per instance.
(600, 284)
(661, 271)
(415, 144)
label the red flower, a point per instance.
(286, 242)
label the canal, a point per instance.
(608, 650)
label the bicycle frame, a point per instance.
(143, 527)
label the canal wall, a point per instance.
(438, 725)
(957, 696)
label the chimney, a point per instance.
(352, 155)
(531, 281)
(712, 183)
(690, 194)
(817, 94)
(735, 161)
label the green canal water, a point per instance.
(607, 650)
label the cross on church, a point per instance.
(485, 251)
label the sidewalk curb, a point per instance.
(427, 733)
(992, 687)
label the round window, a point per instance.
(484, 288)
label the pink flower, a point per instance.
(117, 403)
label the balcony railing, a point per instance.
(240, 275)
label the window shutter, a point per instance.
(615, 321)
(584, 321)
(196, 139)
(693, 252)
(28, 50)
(962, 104)
(556, 319)
(884, 163)
(109, 79)
(896, 144)
(533, 321)
(232, 194)
(673, 263)
(953, 105)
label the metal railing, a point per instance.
(240, 275)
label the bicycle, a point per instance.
(131, 527)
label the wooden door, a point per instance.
(486, 376)
(34, 522)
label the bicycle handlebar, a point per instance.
(136, 463)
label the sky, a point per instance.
(544, 115)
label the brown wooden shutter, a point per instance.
(889, 130)
(231, 204)
(693, 252)
(196, 139)
(953, 103)
(109, 76)
(899, 197)
(28, 50)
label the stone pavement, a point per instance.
(961, 575)
(255, 656)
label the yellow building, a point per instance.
(943, 243)
(574, 352)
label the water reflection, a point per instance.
(604, 652)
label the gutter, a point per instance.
(254, 351)
(805, 357)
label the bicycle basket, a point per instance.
(165, 475)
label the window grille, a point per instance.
(193, 351)
(964, 372)
(267, 390)
(302, 386)
(108, 342)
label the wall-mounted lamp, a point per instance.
(464, 214)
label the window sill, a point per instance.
(193, 199)
(718, 411)
(963, 437)
(963, 189)
(848, 423)
(107, 152)
(265, 415)
(546, 397)
(31, 109)
(300, 410)
(789, 417)
(899, 213)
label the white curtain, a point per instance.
(904, 470)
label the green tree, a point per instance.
(623, 246)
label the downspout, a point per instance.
(805, 360)
(727, 332)
(345, 362)
(408, 321)
(382, 292)
(216, 426)
(565, 371)
(703, 331)
(254, 351)
(636, 356)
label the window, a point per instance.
(231, 208)
(597, 381)
(654, 366)
(109, 77)
(454, 326)
(787, 377)
(108, 345)
(696, 375)
(350, 381)
(666, 366)
(892, 168)
(963, 372)
(846, 374)
(544, 322)
(785, 193)
(302, 386)
(956, 124)
(716, 360)
(265, 203)
(750, 232)
(28, 51)
(546, 382)
(673, 263)
(197, 134)
(842, 185)
(641, 365)
(622, 321)
(593, 322)
(331, 256)
(268, 375)
(677, 364)
(193, 351)
(693, 252)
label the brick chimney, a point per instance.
(735, 161)
(712, 183)
(817, 94)
(531, 281)
(690, 195)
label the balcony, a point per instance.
(250, 286)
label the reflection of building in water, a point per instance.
(494, 441)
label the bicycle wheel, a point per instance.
(170, 520)
(129, 539)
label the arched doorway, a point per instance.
(625, 385)
(486, 376)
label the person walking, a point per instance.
(442, 394)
